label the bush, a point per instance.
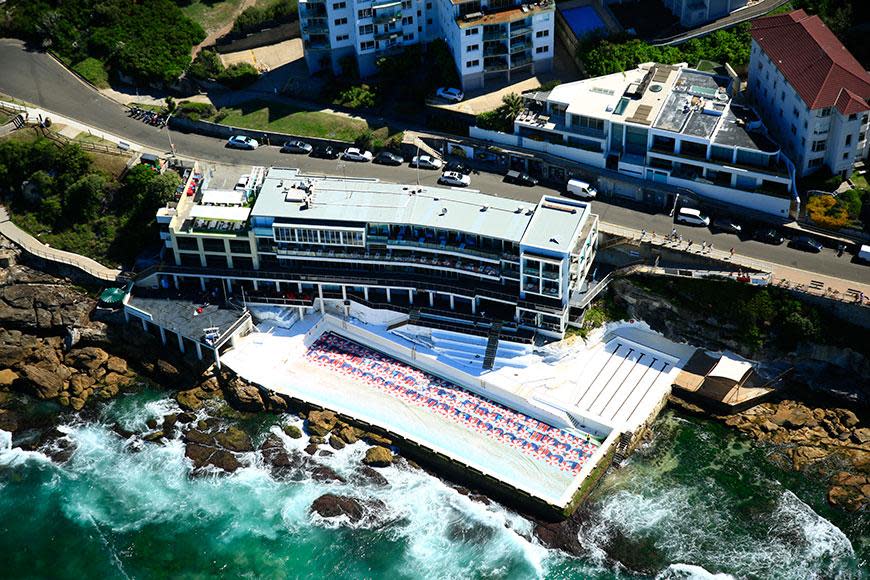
(93, 71)
(207, 66)
(356, 97)
(254, 18)
(195, 111)
(440, 70)
(365, 140)
(239, 75)
(828, 212)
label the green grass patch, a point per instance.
(860, 181)
(85, 137)
(282, 118)
(603, 309)
(93, 71)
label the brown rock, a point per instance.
(116, 365)
(794, 417)
(324, 474)
(224, 460)
(321, 422)
(199, 437)
(244, 396)
(79, 383)
(335, 442)
(114, 379)
(768, 426)
(801, 456)
(155, 436)
(43, 383)
(316, 440)
(108, 391)
(189, 399)
(332, 506)
(8, 420)
(7, 377)
(311, 449)
(185, 417)
(847, 417)
(234, 439)
(378, 457)
(88, 358)
(861, 436)
(367, 475)
(77, 403)
(347, 434)
(166, 370)
(199, 454)
(293, 431)
(376, 439)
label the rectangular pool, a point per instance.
(583, 20)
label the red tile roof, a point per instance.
(818, 66)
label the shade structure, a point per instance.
(112, 295)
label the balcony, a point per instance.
(387, 16)
(316, 26)
(494, 34)
(317, 44)
(520, 30)
(495, 64)
(495, 50)
(388, 34)
(520, 46)
(778, 169)
(522, 59)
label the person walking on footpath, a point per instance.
(732, 252)
(689, 246)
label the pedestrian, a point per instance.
(642, 233)
(654, 235)
(732, 252)
(703, 246)
(674, 233)
(710, 247)
(689, 247)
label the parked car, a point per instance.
(806, 244)
(296, 147)
(454, 178)
(388, 158)
(520, 178)
(863, 255)
(458, 168)
(724, 224)
(242, 142)
(449, 94)
(426, 162)
(324, 152)
(768, 236)
(581, 189)
(692, 217)
(355, 154)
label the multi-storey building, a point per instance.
(487, 38)
(442, 255)
(664, 124)
(694, 13)
(813, 94)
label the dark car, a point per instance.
(520, 178)
(388, 158)
(769, 236)
(806, 244)
(325, 152)
(458, 167)
(296, 147)
(725, 224)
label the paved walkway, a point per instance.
(795, 278)
(742, 15)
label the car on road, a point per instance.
(426, 162)
(242, 142)
(458, 167)
(324, 152)
(449, 94)
(691, 217)
(296, 147)
(768, 236)
(806, 244)
(455, 179)
(356, 154)
(725, 224)
(520, 178)
(388, 158)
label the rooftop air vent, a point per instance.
(443, 211)
(519, 210)
(554, 240)
(484, 208)
(655, 88)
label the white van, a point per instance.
(864, 254)
(581, 189)
(692, 217)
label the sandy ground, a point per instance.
(266, 58)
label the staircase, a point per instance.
(491, 345)
(621, 453)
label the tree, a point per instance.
(84, 198)
(511, 105)
(239, 75)
(145, 190)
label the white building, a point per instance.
(488, 38)
(667, 124)
(694, 13)
(812, 93)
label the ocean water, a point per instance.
(696, 502)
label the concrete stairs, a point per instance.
(491, 345)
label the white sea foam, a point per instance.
(15, 456)
(689, 572)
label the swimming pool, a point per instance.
(583, 20)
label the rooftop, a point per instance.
(507, 15)
(814, 61)
(556, 224)
(291, 197)
(733, 132)
(187, 317)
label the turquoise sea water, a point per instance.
(697, 502)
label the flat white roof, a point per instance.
(215, 212)
(223, 197)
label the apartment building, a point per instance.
(694, 13)
(487, 38)
(444, 256)
(665, 124)
(813, 94)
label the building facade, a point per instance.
(813, 94)
(487, 38)
(442, 255)
(694, 13)
(663, 124)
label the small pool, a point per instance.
(583, 20)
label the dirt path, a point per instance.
(213, 36)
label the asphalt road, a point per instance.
(37, 78)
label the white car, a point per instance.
(426, 162)
(242, 142)
(354, 154)
(449, 94)
(454, 178)
(692, 217)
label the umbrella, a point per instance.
(112, 295)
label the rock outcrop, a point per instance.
(378, 457)
(355, 510)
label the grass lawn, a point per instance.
(283, 118)
(860, 181)
(212, 15)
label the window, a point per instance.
(428, 21)
(542, 49)
(782, 96)
(366, 29)
(472, 63)
(342, 37)
(472, 31)
(795, 112)
(760, 66)
(364, 13)
(340, 21)
(826, 112)
(819, 145)
(861, 136)
(542, 33)
(472, 47)
(407, 20)
(853, 116)
(408, 37)
(428, 6)
(339, 6)
(815, 162)
(367, 45)
(846, 155)
(848, 140)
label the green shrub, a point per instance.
(365, 140)
(239, 75)
(207, 66)
(195, 111)
(356, 97)
(93, 71)
(255, 18)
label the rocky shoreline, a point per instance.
(57, 349)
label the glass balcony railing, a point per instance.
(520, 30)
(496, 34)
(519, 47)
(520, 60)
(387, 16)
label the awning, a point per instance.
(223, 197)
(729, 368)
(112, 295)
(226, 214)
